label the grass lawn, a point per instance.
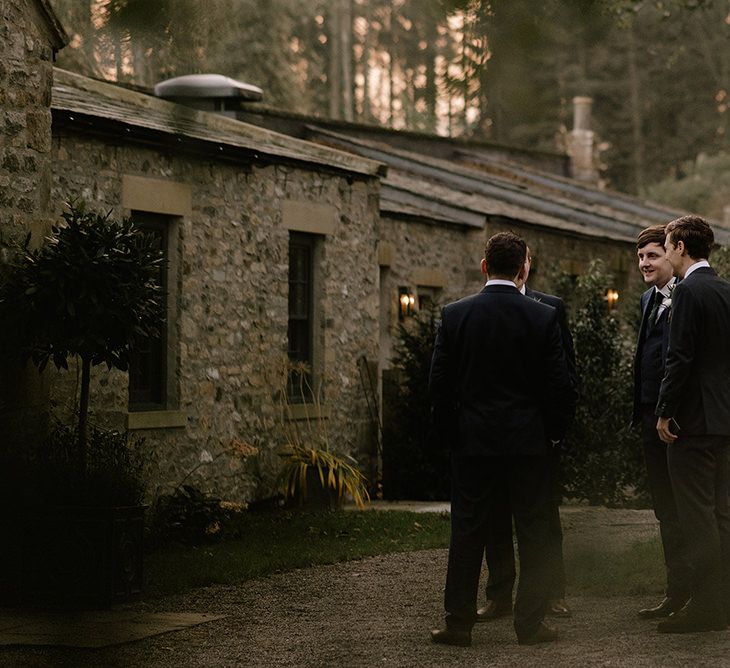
(282, 541)
(279, 541)
(634, 571)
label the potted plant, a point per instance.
(313, 473)
(89, 292)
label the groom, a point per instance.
(694, 421)
(649, 361)
(500, 390)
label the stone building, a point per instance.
(286, 237)
(272, 248)
(30, 35)
(442, 198)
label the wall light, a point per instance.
(612, 297)
(406, 303)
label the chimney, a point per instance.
(580, 142)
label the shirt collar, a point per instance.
(667, 289)
(500, 281)
(696, 265)
(523, 289)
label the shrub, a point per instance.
(415, 463)
(602, 456)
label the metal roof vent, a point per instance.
(209, 92)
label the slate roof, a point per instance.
(473, 186)
(89, 105)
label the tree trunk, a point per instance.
(430, 92)
(84, 409)
(365, 66)
(335, 78)
(346, 58)
(636, 117)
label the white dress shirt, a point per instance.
(696, 265)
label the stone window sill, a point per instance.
(307, 412)
(156, 420)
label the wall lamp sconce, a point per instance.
(612, 297)
(406, 303)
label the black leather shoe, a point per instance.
(685, 621)
(664, 609)
(494, 610)
(558, 608)
(544, 633)
(451, 637)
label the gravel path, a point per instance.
(378, 612)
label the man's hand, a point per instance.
(662, 427)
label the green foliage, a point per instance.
(602, 461)
(720, 260)
(90, 291)
(112, 477)
(188, 516)
(701, 185)
(307, 445)
(334, 472)
(415, 463)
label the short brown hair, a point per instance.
(696, 234)
(505, 254)
(656, 234)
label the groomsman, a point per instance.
(694, 421)
(649, 362)
(499, 548)
(500, 389)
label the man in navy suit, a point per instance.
(499, 549)
(649, 363)
(694, 421)
(500, 390)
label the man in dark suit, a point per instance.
(649, 363)
(499, 549)
(694, 421)
(500, 390)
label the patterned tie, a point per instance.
(656, 304)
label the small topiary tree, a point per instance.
(90, 291)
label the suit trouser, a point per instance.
(478, 487)
(698, 468)
(499, 548)
(676, 554)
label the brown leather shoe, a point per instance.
(665, 608)
(558, 607)
(544, 633)
(494, 610)
(451, 637)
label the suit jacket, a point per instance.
(664, 324)
(559, 305)
(499, 381)
(696, 386)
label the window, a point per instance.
(148, 363)
(301, 311)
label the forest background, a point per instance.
(503, 71)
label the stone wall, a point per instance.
(230, 316)
(26, 75)
(443, 260)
